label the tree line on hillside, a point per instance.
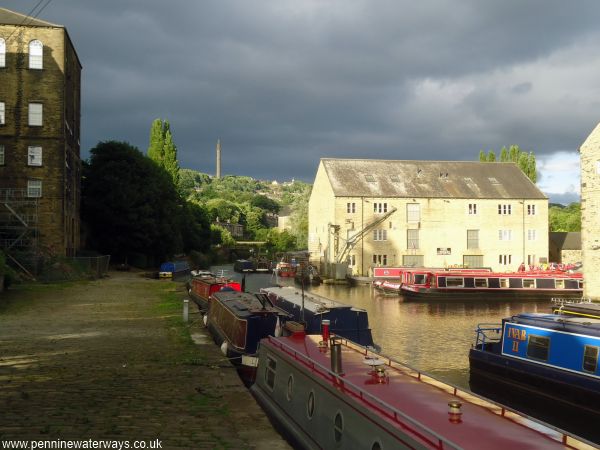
(143, 209)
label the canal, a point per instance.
(434, 337)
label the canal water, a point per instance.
(434, 337)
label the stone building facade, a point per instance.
(40, 85)
(590, 213)
(564, 247)
(370, 213)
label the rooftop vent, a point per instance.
(493, 180)
(370, 178)
(395, 178)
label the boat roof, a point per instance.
(416, 402)
(528, 275)
(245, 304)
(587, 325)
(312, 302)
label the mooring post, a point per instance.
(186, 308)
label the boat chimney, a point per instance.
(335, 345)
(325, 330)
(454, 412)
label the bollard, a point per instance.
(336, 355)
(186, 309)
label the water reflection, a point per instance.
(434, 337)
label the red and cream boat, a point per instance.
(202, 287)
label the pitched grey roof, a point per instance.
(428, 179)
(566, 240)
(8, 17)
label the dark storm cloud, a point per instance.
(283, 83)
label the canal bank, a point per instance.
(111, 360)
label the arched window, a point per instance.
(36, 55)
(2, 53)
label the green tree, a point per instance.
(264, 202)
(129, 204)
(561, 218)
(491, 156)
(503, 155)
(482, 156)
(531, 167)
(157, 141)
(525, 161)
(169, 161)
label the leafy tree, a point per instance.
(503, 155)
(220, 235)
(130, 204)
(224, 210)
(525, 161)
(491, 156)
(162, 150)
(563, 218)
(157, 141)
(264, 202)
(170, 162)
(482, 156)
(299, 218)
(531, 167)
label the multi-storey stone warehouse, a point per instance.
(368, 213)
(590, 213)
(40, 167)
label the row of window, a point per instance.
(413, 210)
(538, 347)
(412, 237)
(418, 260)
(35, 114)
(36, 54)
(34, 155)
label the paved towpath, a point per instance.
(110, 360)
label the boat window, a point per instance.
(338, 428)
(290, 387)
(270, 371)
(559, 284)
(481, 282)
(420, 278)
(376, 446)
(310, 405)
(581, 284)
(538, 346)
(590, 358)
(504, 283)
(455, 282)
(528, 283)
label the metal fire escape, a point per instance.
(351, 242)
(19, 228)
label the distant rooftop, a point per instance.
(8, 17)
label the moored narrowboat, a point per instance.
(551, 357)
(311, 309)
(237, 322)
(447, 285)
(326, 393)
(203, 286)
(173, 269)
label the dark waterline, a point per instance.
(432, 337)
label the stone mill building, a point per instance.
(40, 166)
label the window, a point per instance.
(380, 235)
(34, 188)
(413, 212)
(505, 260)
(36, 55)
(472, 209)
(472, 238)
(338, 428)
(529, 283)
(1, 155)
(481, 282)
(531, 210)
(455, 282)
(538, 347)
(290, 388)
(379, 208)
(35, 114)
(2, 53)
(34, 156)
(350, 207)
(505, 235)
(351, 260)
(380, 260)
(310, 405)
(531, 235)
(2, 113)
(413, 261)
(590, 359)
(270, 370)
(473, 261)
(531, 260)
(505, 209)
(412, 239)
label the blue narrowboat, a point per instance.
(550, 356)
(311, 309)
(172, 269)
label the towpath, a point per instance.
(111, 360)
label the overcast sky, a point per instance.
(284, 83)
